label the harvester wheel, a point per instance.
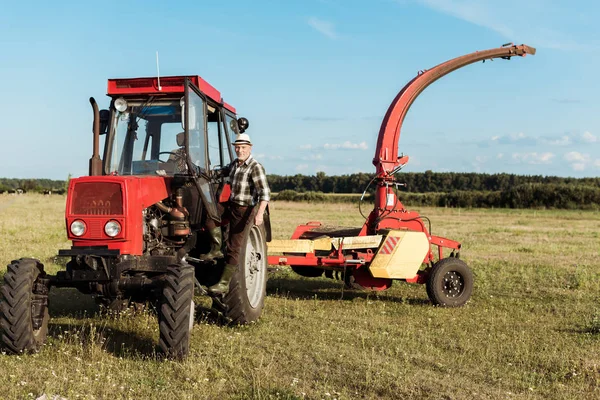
(246, 297)
(176, 312)
(307, 272)
(450, 283)
(24, 307)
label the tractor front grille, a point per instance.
(97, 198)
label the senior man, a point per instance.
(249, 198)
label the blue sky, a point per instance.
(315, 78)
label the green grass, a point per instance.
(531, 330)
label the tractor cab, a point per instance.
(182, 128)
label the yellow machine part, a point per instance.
(298, 245)
(309, 246)
(401, 255)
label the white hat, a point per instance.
(242, 138)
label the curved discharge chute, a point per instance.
(386, 158)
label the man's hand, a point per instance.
(259, 217)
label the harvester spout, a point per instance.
(96, 161)
(386, 155)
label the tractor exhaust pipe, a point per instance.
(96, 161)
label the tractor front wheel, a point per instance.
(450, 283)
(24, 307)
(176, 312)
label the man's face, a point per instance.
(242, 151)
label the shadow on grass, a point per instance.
(329, 290)
(70, 303)
(120, 343)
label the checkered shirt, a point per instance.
(248, 183)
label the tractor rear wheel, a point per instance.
(176, 312)
(450, 283)
(246, 297)
(24, 307)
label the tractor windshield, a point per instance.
(147, 138)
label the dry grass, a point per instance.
(531, 330)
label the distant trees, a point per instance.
(32, 185)
(443, 189)
(449, 189)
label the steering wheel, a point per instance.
(171, 153)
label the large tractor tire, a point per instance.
(24, 307)
(450, 283)
(176, 312)
(246, 297)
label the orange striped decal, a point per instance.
(389, 245)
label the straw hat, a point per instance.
(242, 138)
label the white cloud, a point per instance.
(313, 157)
(575, 156)
(580, 161)
(306, 147)
(474, 11)
(347, 145)
(534, 21)
(561, 141)
(326, 28)
(533, 158)
(588, 137)
(514, 138)
(278, 158)
(500, 156)
(301, 167)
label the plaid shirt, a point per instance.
(248, 183)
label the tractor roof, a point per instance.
(168, 85)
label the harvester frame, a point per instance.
(393, 243)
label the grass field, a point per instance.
(531, 330)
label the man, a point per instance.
(249, 198)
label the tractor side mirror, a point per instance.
(243, 124)
(104, 121)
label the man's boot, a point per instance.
(222, 287)
(215, 245)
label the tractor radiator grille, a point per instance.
(97, 198)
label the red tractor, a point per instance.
(136, 223)
(393, 243)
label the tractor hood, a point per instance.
(95, 201)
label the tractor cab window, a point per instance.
(218, 151)
(147, 139)
(196, 110)
(232, 131)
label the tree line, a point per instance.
(33, 185)
(420, 182)
(449, 189)
(443, 189)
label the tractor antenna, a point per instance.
(158, 72)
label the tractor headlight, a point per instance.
(78, 227)
(120, 104)
(112, 228)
